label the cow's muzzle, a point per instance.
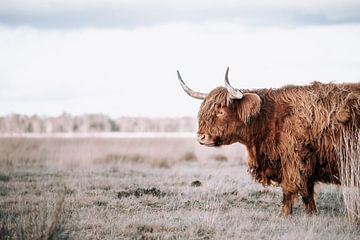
(206, 139)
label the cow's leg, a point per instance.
(291, 165)
(289, 199)
(308, 198)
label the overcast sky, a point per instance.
(120, 57)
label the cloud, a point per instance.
(123, 72)
(133, 14)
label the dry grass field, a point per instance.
(152, 188)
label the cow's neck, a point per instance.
(244, 136)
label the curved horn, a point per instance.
(191, 93)
(235, 93)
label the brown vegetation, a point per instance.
(67, 123)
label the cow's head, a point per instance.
(224, 112)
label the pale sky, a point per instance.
(120, 57)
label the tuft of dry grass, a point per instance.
(139, 192)
(4, 178)
(220, 157)
(119, 158)
(188, 157)
(38, 222)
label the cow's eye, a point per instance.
(221, 113)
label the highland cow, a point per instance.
(293, 134)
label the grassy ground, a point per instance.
(93, 188)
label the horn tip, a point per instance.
(178, 74)
(227, 74)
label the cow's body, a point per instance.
(296, 138)
(294, 135)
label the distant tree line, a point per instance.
(67, 123)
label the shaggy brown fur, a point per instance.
(292, 134)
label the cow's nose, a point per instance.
(201, 137)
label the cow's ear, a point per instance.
(248, 106)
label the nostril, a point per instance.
(201, 137)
